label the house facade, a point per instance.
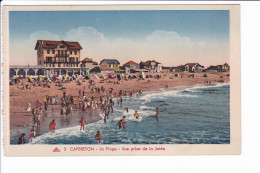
(88, 63)
(111, 63)
(193, 67)
(166, 69)
(151, 66)
(58, 53)
(218, 68)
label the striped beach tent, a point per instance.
(104, 77)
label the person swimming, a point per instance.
(121, 123)
(136, 115)
(126, 110)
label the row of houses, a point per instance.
(61, 54)
(196, 67)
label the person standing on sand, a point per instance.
(82, 123)
(98, 137)
(52, 126)
(157, 113)
(29, 107)
(31, 135)
(126, 109)
(21, 139)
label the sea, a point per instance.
(190, 115)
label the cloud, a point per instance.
(167, 47)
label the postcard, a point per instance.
(127, 80)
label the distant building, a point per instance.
(88, 63)
(58, 53)
(218, 68)
(194, 67)
(102, 70)
(166, 69)
(179, 68)
(151, 66)
(111, 63)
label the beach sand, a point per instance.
(19, 99)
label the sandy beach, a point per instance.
(19, 99)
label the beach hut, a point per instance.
(110, 76)
(176, 75)
(161, 76)
(141, 74)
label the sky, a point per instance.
(171, 37)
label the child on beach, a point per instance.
(98, 137)
(52, 126)
(82, 123)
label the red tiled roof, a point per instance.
(148, 63)
(130, 63)
(50, 44)
(87, 60)
(191, 64)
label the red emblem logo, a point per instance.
(56, 150)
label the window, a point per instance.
(75, 52)
(48, 51)
(53, 51)
(40, 62)
(71, 52)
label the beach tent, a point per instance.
(87, 77)
(104, 77)
(161, 76)
(65, 77)
(40, 77)
(118, 76)
(77, 76)
(55, 77)
(17, 80)
(97, 77)
(110, 76)
(30, 79)
(147, 76)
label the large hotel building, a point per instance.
(58, 53)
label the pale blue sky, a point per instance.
(127, 24)
(201, 31)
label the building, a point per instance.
(151, 66)
(193, 67)
(132, 65)
(88, 63)
(58, 53)
(212, 69)
(111, 63)
(166, 69)
(102, 70)
(218, 68)
(179, 68)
